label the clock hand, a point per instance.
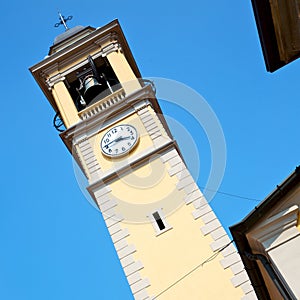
(114, 141)
(124, 138)
(118, 139)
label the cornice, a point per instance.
(129, 164)
(93, 122)
(100, 35)
(51, 80)
(275, 230)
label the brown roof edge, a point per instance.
(240, 229)
(267, 36)
(259, 211)
(251, 266)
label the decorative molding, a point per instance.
(228, 250)
(237, 268)
(240, 279)
(138, 106)
(130, 249)
(247, 287)
(112, 47)
(120, 244)
(110, 37)
(126, 105)
(220, 243)
(132, 161)
(250, 296)
(230, 260)
(169, 155)
(132, 268)
(218, 233)
(90, 42)
(79, 55)
(54, 80)
(119, 234)
(128, 260)
(153, 126)
(78, 158)
(139, 286)
(141, 295)
(89, 160)
(212, 225)
(102, 104)
(201, 211)
(133, 278)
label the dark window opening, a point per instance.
(159, 221)
(92, 82)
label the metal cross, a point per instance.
(63, 20)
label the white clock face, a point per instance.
(119, 140)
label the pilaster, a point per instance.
(65, 103)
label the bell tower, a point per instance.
(169, 241)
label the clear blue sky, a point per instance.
(53, 242)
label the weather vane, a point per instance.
(63, 21)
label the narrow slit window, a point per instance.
(159, 221)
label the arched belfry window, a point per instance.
(91, 82)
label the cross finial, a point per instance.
(63, 20)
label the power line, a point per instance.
(229, 194)
(212, 257)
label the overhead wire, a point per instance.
(229, 194)
(212, 257)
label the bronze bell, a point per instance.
(92, 88)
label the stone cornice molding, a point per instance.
(92, 124)
(99, 43)
(129, 164)
(106, 50)
(54, 80)
(275, 231)
(107, 44)
(94, 40)
(112, 47)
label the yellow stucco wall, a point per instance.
(171, 255)
(140, 191)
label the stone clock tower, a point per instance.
(169, 241)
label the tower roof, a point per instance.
(70, 36)
(68, 33)
(76, 40)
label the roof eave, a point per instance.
(240, 230)
(259, 211)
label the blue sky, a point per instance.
(54, 244)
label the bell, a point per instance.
(92, 88)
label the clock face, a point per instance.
(119, 140)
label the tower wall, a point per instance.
(169, 241)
